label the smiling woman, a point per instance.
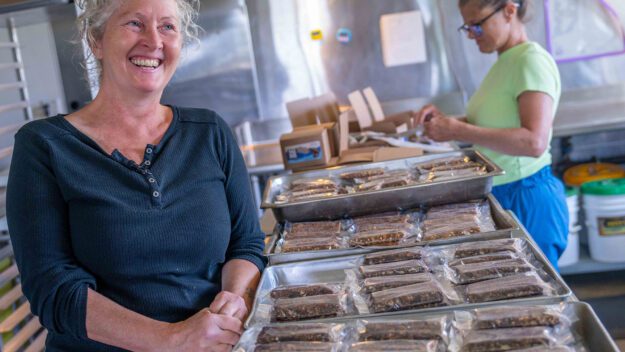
(145, 235)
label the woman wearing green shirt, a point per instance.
(510, 118)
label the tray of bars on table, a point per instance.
(510, 268)
(446, 224)
(380, 187)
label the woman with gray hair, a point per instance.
(132, 222)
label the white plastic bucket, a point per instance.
(571, 254)
(604, 205)
(572, 203)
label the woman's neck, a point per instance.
(517, 36)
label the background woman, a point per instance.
(510, 118)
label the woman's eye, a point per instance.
(169, 27)
(134, 23)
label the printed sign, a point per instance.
(611, 226)
(304, 152)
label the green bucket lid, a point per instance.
(572, 191)
(611, 187)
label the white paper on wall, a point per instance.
(403, 38)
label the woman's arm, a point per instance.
(112, 324)
(531, 139)
(239, 281)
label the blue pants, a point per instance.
(539, 202)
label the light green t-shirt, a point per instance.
(525, 67)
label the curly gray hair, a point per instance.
(96, 13)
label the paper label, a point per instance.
(304, 152)
(611, 226)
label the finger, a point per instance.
(231, 308)
(218, 303)
(227, 337)
(229, 323)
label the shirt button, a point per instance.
(152, 180)
(148, 150)
(155, 194)
(147, 162)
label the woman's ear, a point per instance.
(510, 11)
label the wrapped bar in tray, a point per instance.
(469, 273)
(454, 220)
(471, 249)
(394, 268)
(421, 295)
(360, 174)
(306, 244)
(518, 316)
(509, 287)
(310, 332)
(382, 222)
(491, 257)
(400, 329)
(507, 339)
(396, 346)
(305, 290)
(394, 255)
(389, 237)
(312, 229)
(374, 284)
(297, 346)
(306, 308)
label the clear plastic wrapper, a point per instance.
(394, 268)
(307, 184)
(456, 220)
(471, 208)
(421, 295)
(360, 174)
(509, 287)
(401, 173)
(508, 339)
(311, 332)
(469, 273)
(306, 308)
(472, 249)
(484, 258)
(294, 291)
(297, 346)
(518, 316)
(384, 221)
(306, 244)
(443, 162)
(312, 228)
(380, 283)
(394, 255)
(400, 329)
(561, 348)
(383, 238)
(395, 346)
(383, 183)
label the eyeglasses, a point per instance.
(476, 28)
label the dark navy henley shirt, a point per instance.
(152, 237)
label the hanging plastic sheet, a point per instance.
(584, 29)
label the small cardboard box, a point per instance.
(307, 147)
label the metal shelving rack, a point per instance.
(23, 104)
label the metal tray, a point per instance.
(333, 270)
(587, 327)
(504, 222)
(363, 203)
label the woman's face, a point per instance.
(140, 47)
(493, 23)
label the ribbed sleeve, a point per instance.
(55, 285)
